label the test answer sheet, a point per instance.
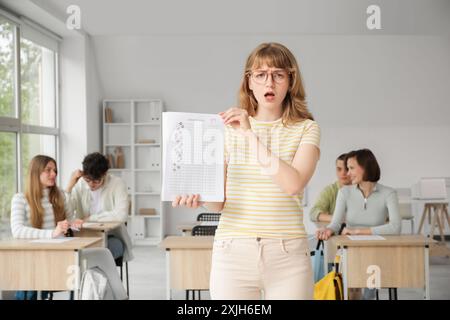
(193, 156)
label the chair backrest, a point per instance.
(405, 210)
(208, 216)
(429, 188)
(204, 230)
(101, 259)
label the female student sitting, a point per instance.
(367, 207)
(42, 211)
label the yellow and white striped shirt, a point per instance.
(255, 206)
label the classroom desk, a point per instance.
(97, 229)
(42, 266)
(188, 262)
(403, 261)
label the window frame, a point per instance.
(14, 124)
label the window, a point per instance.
(37, 75)
(32, 119)
(8, 170)
(33, 144)
(7, 69)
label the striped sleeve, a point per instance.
(18, 221)
(311, 134)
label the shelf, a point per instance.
(132, 123)
(147, 193)
(117, 145)
(117, 124)
(152, 123)
(147, 144)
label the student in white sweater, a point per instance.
(99, 196)
(43, 210)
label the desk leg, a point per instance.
(76, 289)
(427, 273)
(344, 272)
(105, 239)
(168, 291)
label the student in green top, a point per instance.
(324, 207)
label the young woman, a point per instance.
(272, 148)
(366, 205)
(43, 210)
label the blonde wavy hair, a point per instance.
(278, 56)
(34, 190)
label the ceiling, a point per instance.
(238, 17)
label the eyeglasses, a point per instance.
(261, 76)
(96, 181)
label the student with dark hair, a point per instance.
(324, 207)
(366, 205)
(100, 196)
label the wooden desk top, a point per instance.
(26, 244)
(101, 226)
(187, 242)
(398, 241)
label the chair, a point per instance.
(204, 230)
(119, 263)
(406, 214)
(208, 216)
(102, 258)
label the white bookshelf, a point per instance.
(132, 121)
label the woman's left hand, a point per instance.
(237, 118)
(77, 224)
(350, 232)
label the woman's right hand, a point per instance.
(324, 233)
(189, 201)
(61, 228)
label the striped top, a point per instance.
(255, 206)
(20, 217)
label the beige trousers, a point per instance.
(261, 268)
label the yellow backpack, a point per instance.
(330, 287)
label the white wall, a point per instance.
(387, 93)
(73, 138)
(94, 95)
(80, 104)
